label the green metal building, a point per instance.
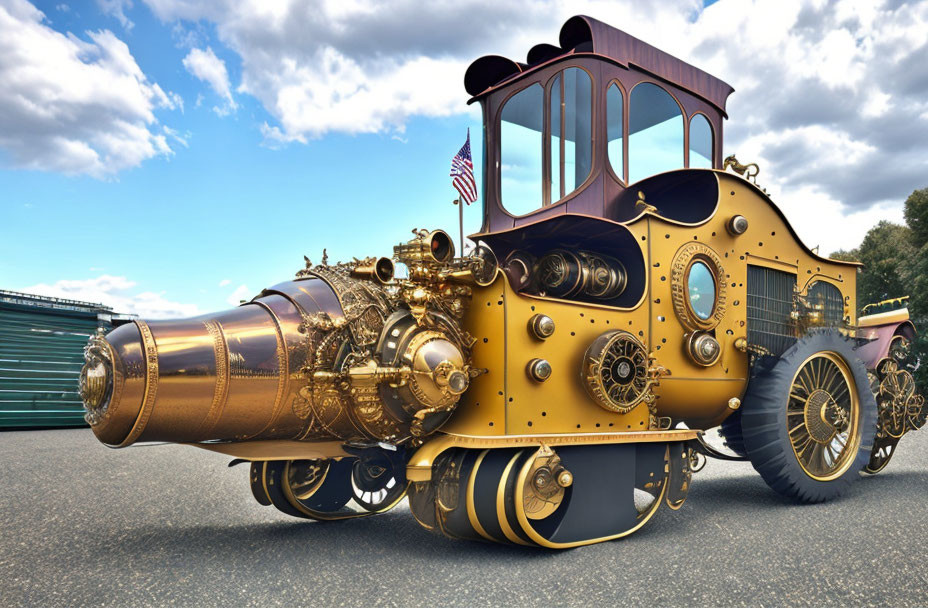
(41, 352)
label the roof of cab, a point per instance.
(582, 34)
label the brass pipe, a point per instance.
(232, 375)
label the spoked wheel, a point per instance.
(327, 489)
(809, 421)
(375, 485)
(571, 496)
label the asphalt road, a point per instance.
(81, 524)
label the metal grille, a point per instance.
(829, 298)
(770, 307)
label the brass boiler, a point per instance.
(338, 353)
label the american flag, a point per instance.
(462, 173)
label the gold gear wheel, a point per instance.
(615, 371)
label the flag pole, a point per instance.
(460, 202)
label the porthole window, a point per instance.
(700, 143)
(571, 116)
(655, 132)
(520, 153)
(700, 287)
(615, 130)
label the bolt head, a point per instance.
(541, 326)
(539, 369)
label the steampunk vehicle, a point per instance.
(552, 387)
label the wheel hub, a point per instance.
(819, 416)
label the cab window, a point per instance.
(564, 109)
(521, 127)
(571, 141)
(655, 138)
(700, 143)
(615, 130)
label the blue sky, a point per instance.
(167, 187)
(226, 206)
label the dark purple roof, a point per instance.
(583, 34)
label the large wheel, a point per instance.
(730, 430)
(809, 420)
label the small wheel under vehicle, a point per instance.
(809, 420)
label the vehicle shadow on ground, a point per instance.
(398, 530)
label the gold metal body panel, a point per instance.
(508, 401)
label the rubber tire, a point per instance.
(763, 420)
(730, 430)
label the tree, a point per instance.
(846, 255)
(887, 254)
(916, 216)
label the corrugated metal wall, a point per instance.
(41, 353)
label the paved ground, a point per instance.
(84, 525)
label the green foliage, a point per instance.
(887, 255)
(849, 255)
(916, 216)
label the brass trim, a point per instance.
(542, 541)
(847, 456)
(469, 500)
(150, 351)
(221, 393)
(275, 449)
(420, 465)
(683, 260)
(283, 366)
(508, 532)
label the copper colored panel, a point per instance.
(255, 359)
(128, 385)
(187, 378)
(311, 295)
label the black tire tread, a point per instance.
(763, 420)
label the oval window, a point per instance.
(700, 287)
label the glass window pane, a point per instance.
(556, 191)
(571, 131)
(700, 143)
(520, 151)
(700, 285)
(655, 138)
(615, 133)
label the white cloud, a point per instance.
(182, 139)
(831, 95)
(117, 9)
(240, 293)
(224, 282)
(211, 69)
(72, 105)
(119, 293)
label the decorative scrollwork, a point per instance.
(616, 372)
(679, 271)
